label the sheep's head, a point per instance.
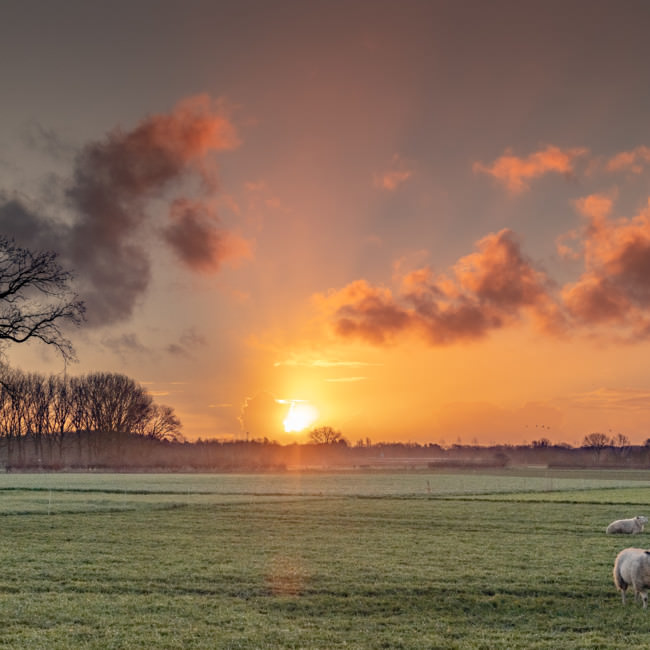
(641, 519)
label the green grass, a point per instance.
(127, 561)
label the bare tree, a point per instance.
(61, 411)
(163, 424)
(621, 440)
(622, 444)
(15, 405)
(116, 402)
(597, 441)
(325, 435)
(36, 298)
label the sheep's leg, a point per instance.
(623, 595)
(644, 598)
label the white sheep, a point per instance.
(632, 568)
(629, 526)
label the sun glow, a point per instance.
(300, 416)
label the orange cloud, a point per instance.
(632, 161)
(391, 179)
(615, 286)
(515, 172)
(594, 299)
(499, 274)
(488, 290)
(369, 313)
(595, 207)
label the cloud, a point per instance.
(595, 206)
(392, 178)
(615, 284)
(190, 340)
(113, 182)
(515, 173)
(365, 312)
(125, 344)
(633, 161)
(487, 290)
(497, 286)
(570, 245)
(197, 239)
(21, 221)
(499, 275)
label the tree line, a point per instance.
(69, 420)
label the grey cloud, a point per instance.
(107, 198)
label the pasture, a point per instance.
(340, 560)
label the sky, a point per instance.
(422, 221)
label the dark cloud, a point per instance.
(177, 350)
(125, 344)
(189, 341)
(28, 228)
(190, 338)
(197, 239)
(112, 184)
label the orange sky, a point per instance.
(428, 221)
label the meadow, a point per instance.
(503, 559)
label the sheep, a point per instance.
(632, 568)
(629, 526)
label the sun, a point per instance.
(300, 416)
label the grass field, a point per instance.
(515, 559)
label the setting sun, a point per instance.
(300, 416)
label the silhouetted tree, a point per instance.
(597, 441)
(621, 440)
(115, 402)
(325, 435)
(35, 298)
(61, 411)
(162, 424)
(622, 444)
(101, 410)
